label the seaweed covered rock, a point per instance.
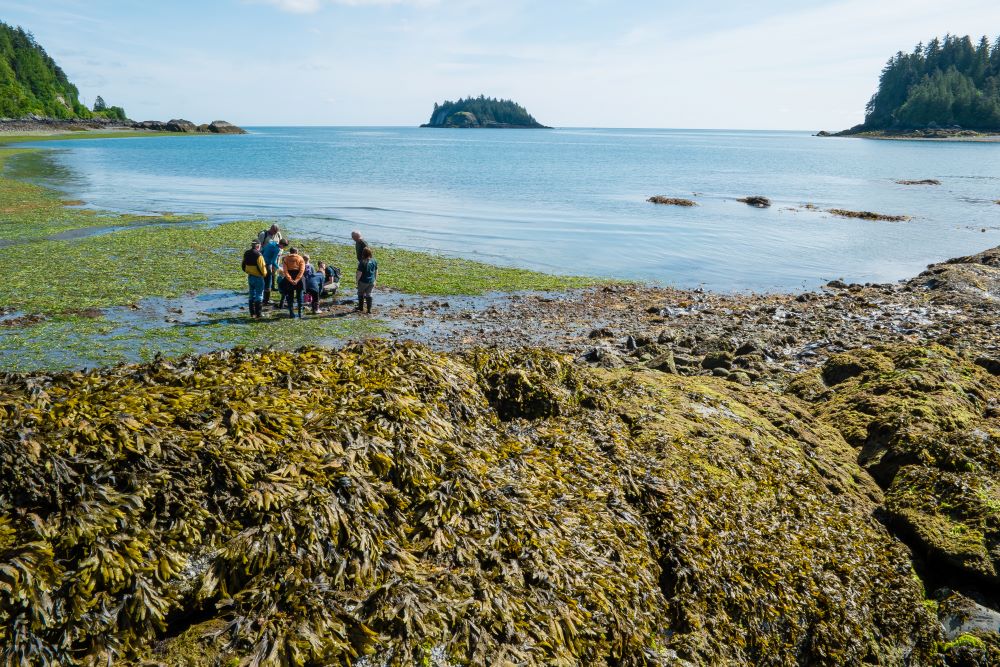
(971, 280)
(927, 426)
(384, 504)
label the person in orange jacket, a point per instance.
(294, 269)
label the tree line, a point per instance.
(946, 82)
(32, 83)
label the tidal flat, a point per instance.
(87, 281)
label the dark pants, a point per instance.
(290, 291)
(315, 299)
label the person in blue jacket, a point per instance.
(314, 287)
(271, 251)
(366, 276)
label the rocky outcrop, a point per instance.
(924, 181)
(926, 425)
(38, 123)
(969, 281)
(492, 507)
(222, 127)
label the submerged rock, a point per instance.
(487, 508)
(925, 181)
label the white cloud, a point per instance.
(312, 6)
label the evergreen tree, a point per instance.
(948, 82)
(99, 104)
(30, 80)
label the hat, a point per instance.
(255, 242)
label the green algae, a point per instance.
(71, 342)
(497, 507)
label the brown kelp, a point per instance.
(868, 215)
(496, 507)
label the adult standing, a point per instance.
(271, 252)
(294, 268)
(270, 234)
(359, 248)
(366, 276)
(359, 243)
(256, 270)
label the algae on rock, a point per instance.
(927, 426)
(386, 501)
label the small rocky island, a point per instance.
(482, 112)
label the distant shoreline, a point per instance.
(919, 135)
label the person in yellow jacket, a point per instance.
(256, 270)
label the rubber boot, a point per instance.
(361, 304)
(291, 309)
(300, 310)
(267, 298)
(259, 306)
(253, 309)
(368, 304)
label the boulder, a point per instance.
(757, 201)
(717, 359)
(180, 125)
(222, 127)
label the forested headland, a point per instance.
(482, 111)
(949, 83)
(32, 83)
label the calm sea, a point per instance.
(573, 201)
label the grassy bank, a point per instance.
(64, 261)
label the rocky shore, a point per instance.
(611, 476)
(926, 134)
(41, 124)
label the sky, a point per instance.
(770, 64)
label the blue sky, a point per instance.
(771, 64)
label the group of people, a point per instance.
(272, 264)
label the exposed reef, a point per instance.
(670, 201)
(868, 215)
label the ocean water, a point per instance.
(573, 200)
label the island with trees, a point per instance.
(948, 87)
(36, 95)
(482, 112)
